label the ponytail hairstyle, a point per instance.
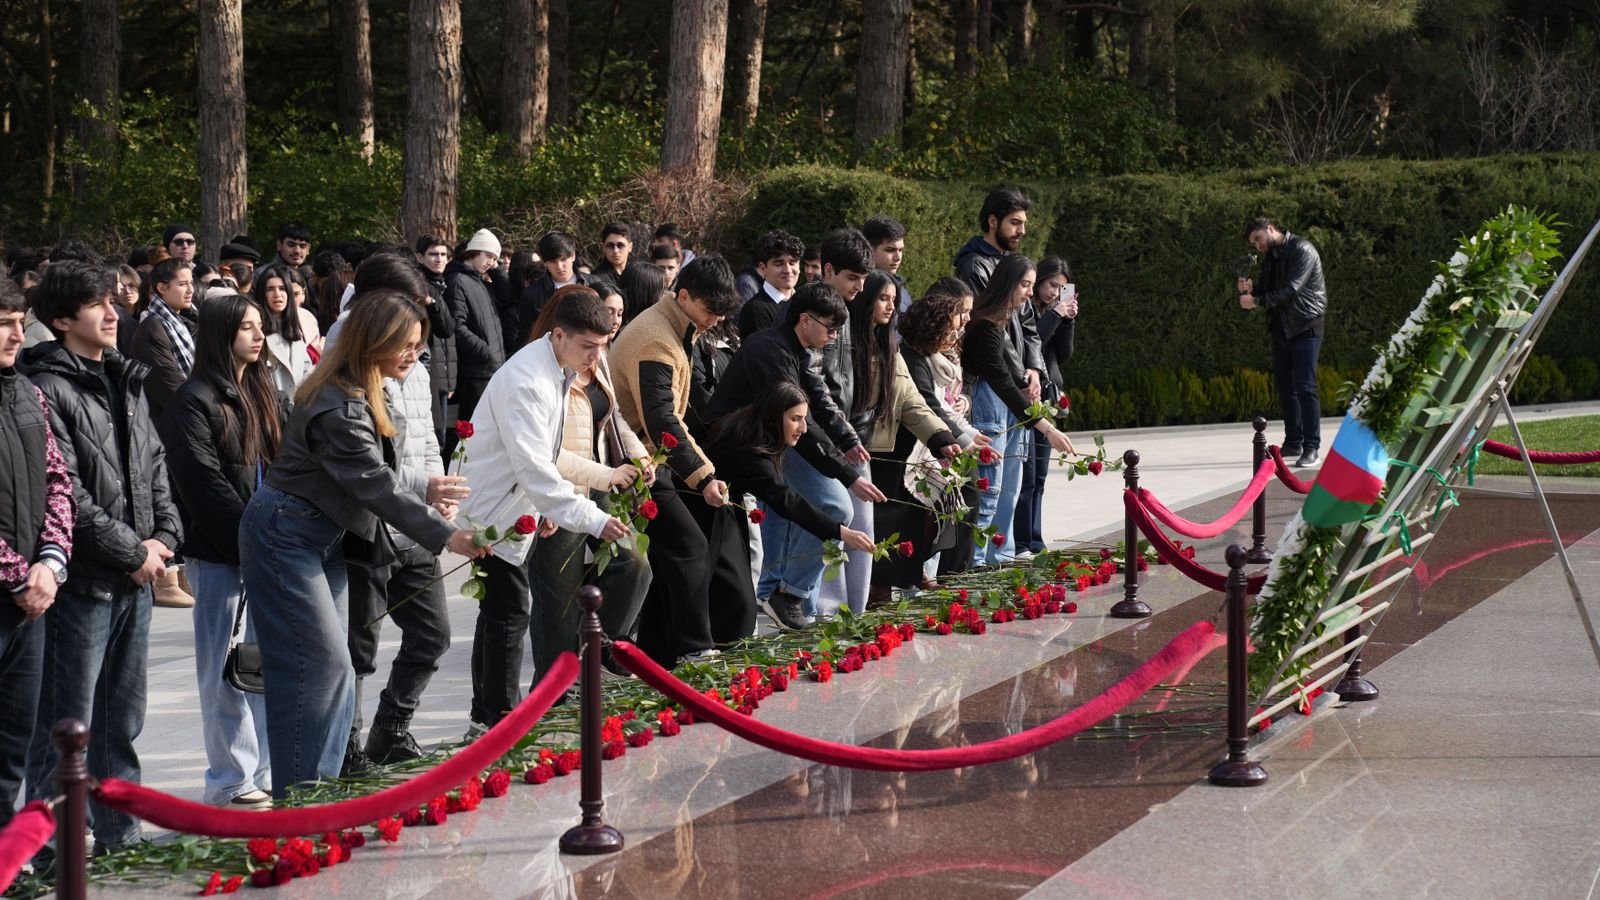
(259, 431)
(378, 328)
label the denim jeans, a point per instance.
(852, 583)
(556, 570)
(292, 557)
(21, 662)
(94, 670)
(998, 504)
(1294, 367)
(1029, 523)
(793, 560)
(424, 623)
(232, 722)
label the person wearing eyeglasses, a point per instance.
(179, 241)
(616, 245)
(815, 467)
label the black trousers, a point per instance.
(468, 393)
(497, 638)
(675, 619)
(731, 594)
(419, 609)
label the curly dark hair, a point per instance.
(927, 322)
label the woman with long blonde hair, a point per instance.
(331, 488)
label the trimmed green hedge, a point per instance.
(1153, 254)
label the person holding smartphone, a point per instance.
(1055, 304)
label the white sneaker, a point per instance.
(475, 730)
(700, 656)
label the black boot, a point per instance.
(387, 745)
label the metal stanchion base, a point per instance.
(1259, 555)
(591, 840)
(1356, 690)
(1244, 773)
(1130, 609)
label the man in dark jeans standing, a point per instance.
(97, 634)
(36, 518)
(1296, 301)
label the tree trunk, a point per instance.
(694, 86)
(355, 73)
(224, 176)
(524, 74)
(985, 28)
(100, 89)
(744, 61)
(1085, 48)
(966, 35)
(560, 63)
(433, 120)
(881, 71)
(51, 137)
(1139, 46)
(1021, 33)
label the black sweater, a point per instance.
(754, 473)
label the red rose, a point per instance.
(977, 627)
(353, 839)
(262, 849)
(987, 456)
(285, 870)
(1064, 403)
(389, 828)
(1105, 552)
(526, 525)
(667, 441)
(1096, 467)
(756, 516)
(310, 867)
(649, 510)
(497, 784)
(963, 594)
(687, 717)
(907, 631)
(539, 774)
(213, 884)
(261, 878)
(999, 540)
(670, 727)
(613, 750)
(233, 884)
(412, 817)
(823, 671)
(1051, 607)
(942, 628)
(463, 429)
(437, 815)
(983, 484)
(1070, 607)
(906, 548)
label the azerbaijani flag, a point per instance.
(1351, 478)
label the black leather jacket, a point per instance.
(1291, 288)
(119, 470)
(333, 458)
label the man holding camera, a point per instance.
(1296, 300)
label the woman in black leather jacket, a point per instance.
(333, 478)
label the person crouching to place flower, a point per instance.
(597, 450)
(1055, 304)
(222, 430)
(331, 478)
(516, 442)
(748, 447)
(992, 354)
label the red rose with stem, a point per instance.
(999, 540)
(906, 548)
(526, 525)
(649, 510)
(757, 516)
(463, 429)
(983, 484)
(987, 456)
(667, 441)
(1096, 467)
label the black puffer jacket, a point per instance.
(442, 361)
(480, 342)
(122, 499)
(209, 473)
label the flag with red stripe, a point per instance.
(1351, 479)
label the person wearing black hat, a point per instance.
(239, 260)
(179, 241)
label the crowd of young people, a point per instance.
(310, 436)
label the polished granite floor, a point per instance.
(1469, 777)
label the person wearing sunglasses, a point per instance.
(616, 245)
(179, 241)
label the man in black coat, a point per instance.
(97, 633)
(479, 335)
(1296, 300)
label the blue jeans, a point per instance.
(94, 670)
(1029, 523)
(292, 558)
(998, 504)
(21, 663)
(232, 722)
(1294, 367)
(793, 556)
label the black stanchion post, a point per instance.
(592, 835)
(1237, 770)
(1130, 606)
(1258, 526)
(1352, 686)
(71, 738)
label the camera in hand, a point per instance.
(1244, 266)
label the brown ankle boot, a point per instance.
(170, 594)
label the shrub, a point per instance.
(1583, 377)
(1192, 396)
(1541, 381)
(1157, 398)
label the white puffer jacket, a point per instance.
(416, 446)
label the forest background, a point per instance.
(1146, 130)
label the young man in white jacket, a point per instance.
(511, 458)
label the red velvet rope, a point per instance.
(189, 817)
(1192, 641)
(1227, 520)
(22, 838)
(1174, 557)
(1543, 456)
(1288, 478)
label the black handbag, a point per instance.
(243, 666)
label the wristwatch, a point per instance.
(59, 570)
